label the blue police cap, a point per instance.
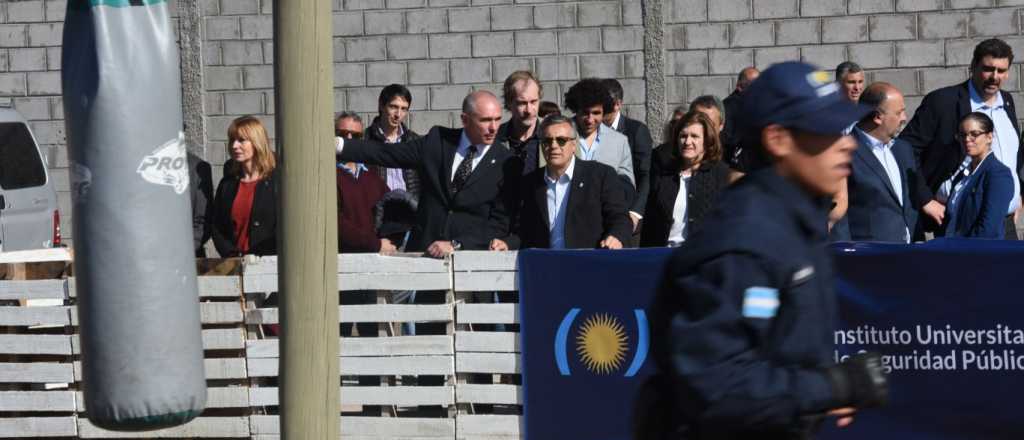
(797, 95)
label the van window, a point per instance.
(20, 164)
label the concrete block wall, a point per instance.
(443, 49)
(918, 45)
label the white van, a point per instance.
(29, 218)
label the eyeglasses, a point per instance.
(961, 136)
(549, 142)
(348, 134)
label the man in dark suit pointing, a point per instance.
(467, 179)
(570, 203)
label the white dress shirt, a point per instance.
(463, 150)
(615, 123)
(558, 199)
(1005, 140)
(677, 234)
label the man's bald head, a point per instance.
(481, 116)
(889, 115)
(746, 76)
(473, 101)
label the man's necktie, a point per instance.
(463, 171)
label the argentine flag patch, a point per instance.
(760, 302)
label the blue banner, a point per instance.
(946, 314)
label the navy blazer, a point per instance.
(982, 207)
(875, 212)
(931, 134)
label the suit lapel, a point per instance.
(963, 103)
(865, 154)
(540, 195)
(448, 156)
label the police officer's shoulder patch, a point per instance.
(760, 302)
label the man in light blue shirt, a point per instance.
(883, 172)
(570, 203)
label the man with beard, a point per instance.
(522, 93)
(933, 129)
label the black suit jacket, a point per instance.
(710, 179)
(262, 219)
(473, 216)
(875, 213)
(640, 145)
(596, 209)
(931, 134)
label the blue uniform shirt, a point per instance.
(745, 316)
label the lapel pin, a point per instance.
(492, 161)
(581, 184)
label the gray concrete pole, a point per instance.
(192, 91)
(654, 66)
(308, 230)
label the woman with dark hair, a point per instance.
(244, 210)
(980, 193)
(681, 194)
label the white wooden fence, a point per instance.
(40, 375)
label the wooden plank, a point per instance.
(498, 363)
(486, 313)
(220, 368)
(20, 289)
(202, 427)
(370, 313)
(487, 342)
(35, 344)
(49, 401)
(359, 263)
(218, 397)
(489, 427)
(362, 347)
(28, 427)
(216, 286)
(485, 281)
(35, 255)
(209, 313)
(37, 372)
(476, 261)
(362, 281)
(498, 393)
(372, 427)
(371, 395)
(34, 316)
(213, 339)
(220, 312)
(372, 366)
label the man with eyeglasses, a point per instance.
(359, 190)
(932, 131)
(569, 203)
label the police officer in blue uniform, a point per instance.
(744, 319)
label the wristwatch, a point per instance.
(456, 245)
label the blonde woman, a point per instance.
(244, 209)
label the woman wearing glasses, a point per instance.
(244, 209)
(981, 191)
(682, 193)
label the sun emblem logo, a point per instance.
(601, 343)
